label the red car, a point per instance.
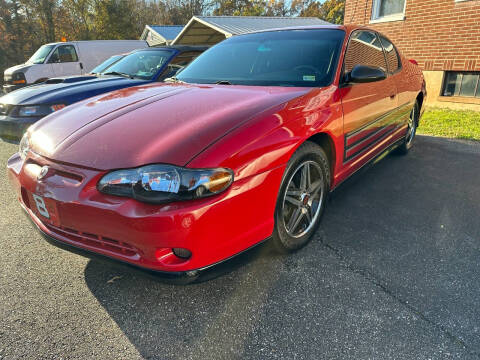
(245, 144)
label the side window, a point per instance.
(393, 59)
(178, 63)
(185, 58)
(63, 54)
(364, 48)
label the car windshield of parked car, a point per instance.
(141, 64)
(41, 54)
(106, 64)
(305, 58)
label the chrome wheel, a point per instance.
(412, 127)
(303, 199)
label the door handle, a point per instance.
(392, 96)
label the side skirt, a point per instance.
(367, 166)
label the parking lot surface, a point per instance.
(393, 273)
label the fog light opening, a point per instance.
(182, 253)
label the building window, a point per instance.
(465, 84)
(388, 10)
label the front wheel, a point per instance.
(302, 198)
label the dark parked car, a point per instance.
(21, 108)
(106, 64)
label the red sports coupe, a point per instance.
(245, 144)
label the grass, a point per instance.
(458, 124)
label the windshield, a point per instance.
(306, 58)
(41, 54)
(141, 64)
(104, 65)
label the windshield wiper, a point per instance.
(223, 82)
(119, 74)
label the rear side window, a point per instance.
(393, 59)
(64, 54)
(364, 48)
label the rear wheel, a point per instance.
(411, 130)
(302, 198)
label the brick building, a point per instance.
(443, 36)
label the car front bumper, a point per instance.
(13, 128)
(213, 229)
(6, 88)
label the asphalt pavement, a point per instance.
(393, 273)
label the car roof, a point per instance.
(177, 47)
(347, 28)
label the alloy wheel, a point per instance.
(303, 199)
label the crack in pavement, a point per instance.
(370, 277)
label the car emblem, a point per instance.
(43, 172)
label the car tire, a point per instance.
(302, 198)
(407, 143)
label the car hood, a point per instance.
(157, 123)
(22, 67)
(67, 90)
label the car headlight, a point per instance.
(164, 183)
(24, 146)
(38, 110)
(3, 109)
(18, 78)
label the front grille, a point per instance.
(7, 78)
(92, 240)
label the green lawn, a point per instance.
(459, 124)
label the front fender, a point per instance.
(269, 140)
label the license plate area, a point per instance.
(45, 209)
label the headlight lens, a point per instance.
(24, 146)
(3, 109)
(164, 183)
(38, 110)
(18, 78)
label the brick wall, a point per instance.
(439, 34)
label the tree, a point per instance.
(114, 19)
(239, 7)
(329, 10)
(333, 11)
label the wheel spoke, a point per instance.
(315, 187)
(294, 192)
(293, 201)
(305, 177)
(308, 215)
(295, 220)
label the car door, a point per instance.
(406, 95)
(65, 61)
(368, 107)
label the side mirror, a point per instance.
(366, 74)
